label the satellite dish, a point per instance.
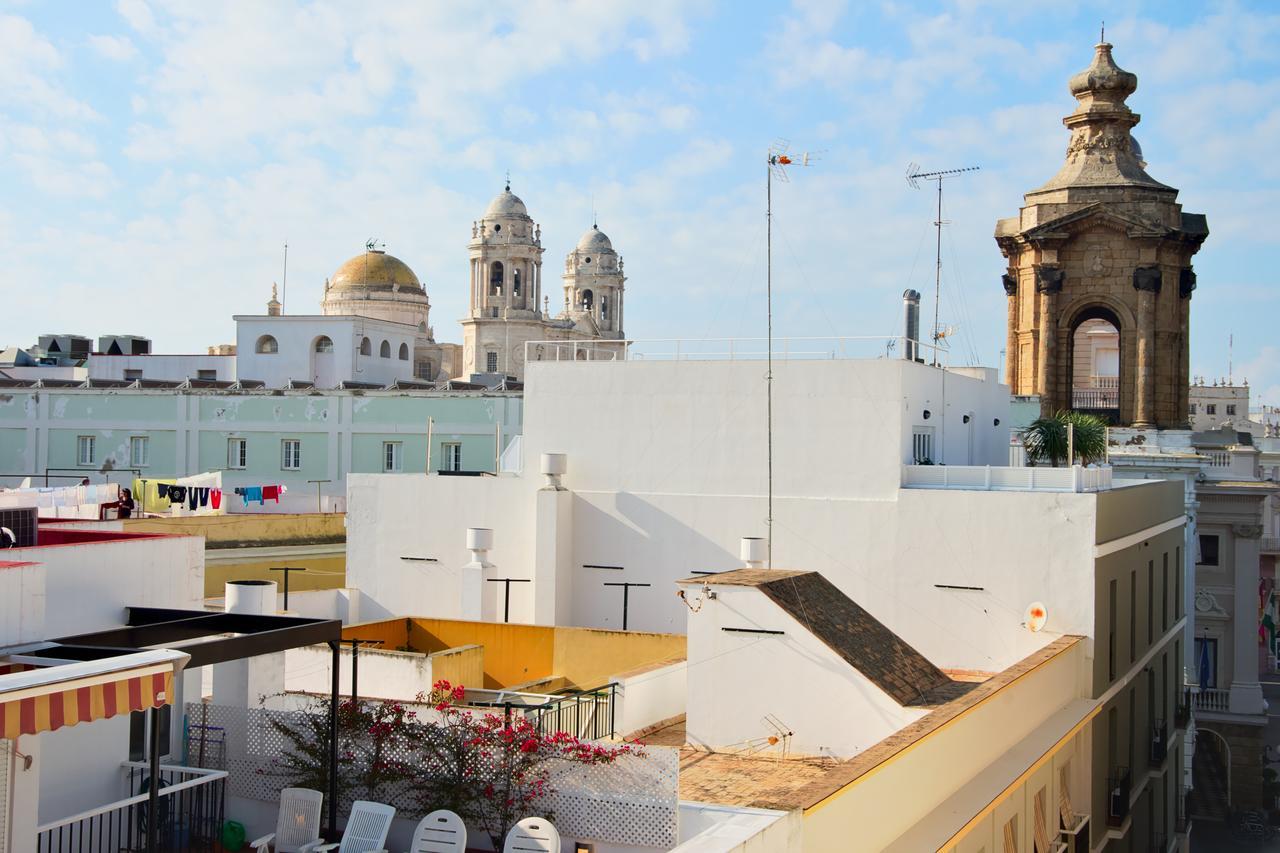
(1037, 614)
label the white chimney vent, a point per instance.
(753, 551)
(251, 597)
(554, 466)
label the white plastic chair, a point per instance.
(366, 832)
(297, 825)
(442, 831)
(532, 834)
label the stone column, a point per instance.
(1246, 692)
(1011, 332)
(1146, 280)
(1048, 284)
(1186, 284)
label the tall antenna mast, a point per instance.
(284, 279)
(777, 161)
(914, 176)
(1231, 353)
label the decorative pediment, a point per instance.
(1096, 215)
(1207, 606)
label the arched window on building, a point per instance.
(604, 306)
(515, 283)
(324, 344)
(404, 352)
(495, 278)
(385, 350)
(267, 345)
(366, 347)
(587, 300)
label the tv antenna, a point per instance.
(777, 162)
(914, 177)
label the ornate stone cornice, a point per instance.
(1147, 278)
(1010, 285)
(1186, 282)
(1049, 278)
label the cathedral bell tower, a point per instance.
(506, 287)
(593, 285)
(1099, 279)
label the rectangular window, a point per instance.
(1151, 602)
(391, 451)
(1211, 409)
(132, 374)
(1193, 409)
(1208, 549)
(491, 362)
(1164, 595)
(85, 452)
(237, 453)
(922, 445)
(207, 375)
(1207, 661)
(1133, 615)
(1231, 409)
(290, 454)
(138, 447)
(1178, 569)
(451, 456)
(1111, 635)
(1133, 722)
(1040, 822)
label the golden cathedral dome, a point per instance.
(375, 270)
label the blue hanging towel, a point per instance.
(252, 493)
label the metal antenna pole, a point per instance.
(768, 375)
(284, 280)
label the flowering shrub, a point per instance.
(491, 769)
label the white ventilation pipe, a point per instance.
(753, 551)
(479, 541)
(553, 466)
(251, 597)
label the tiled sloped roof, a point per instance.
(863, 641)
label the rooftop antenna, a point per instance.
(777, 161)
(1231, 348)
(284, 292)
(508, 188)
(1102, 37)
(914, 176)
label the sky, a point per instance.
(156, 155)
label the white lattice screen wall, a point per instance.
(633, 801)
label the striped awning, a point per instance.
(54, 702)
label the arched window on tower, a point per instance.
(495, 278)
(267, 345)
(1095, 364)
(324, 344)
(604, 306)
(366, 348)
(385, 350)
(588, 300)
(404, 352)
(515, 283)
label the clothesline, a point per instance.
(61, 497)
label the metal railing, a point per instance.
(1095, 398)
(1269, 544)
(734, 349)
(1211, 699)
(995, 478)
(1159, 743)
(1104, 382)
(191, 811)
(1118, 796)
(587, 714)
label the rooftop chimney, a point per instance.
(911, 325)
(753, 551)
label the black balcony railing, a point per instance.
(1118, 796)
(1159, 743)
(191, 811)
(587, 714)
(1182, 714)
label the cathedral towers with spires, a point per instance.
(1099, 278)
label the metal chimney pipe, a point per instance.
(911, 325)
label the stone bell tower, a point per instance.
(1100, 279)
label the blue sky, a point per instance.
(157, 154)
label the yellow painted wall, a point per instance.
(517, 654)
(322, 572)
(249, 529)
(463, 665)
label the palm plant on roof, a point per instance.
(1046, 442)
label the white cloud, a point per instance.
(29, 64)
(118, 48)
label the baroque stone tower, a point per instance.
(593, 285)
(1104, 249)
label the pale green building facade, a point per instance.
(288, 437)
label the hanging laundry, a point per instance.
(271, 493)
(204, 495)
(251, 494)
(193, 498)
(215, 498)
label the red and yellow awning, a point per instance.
(49, 707)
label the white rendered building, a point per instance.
(323, 350)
